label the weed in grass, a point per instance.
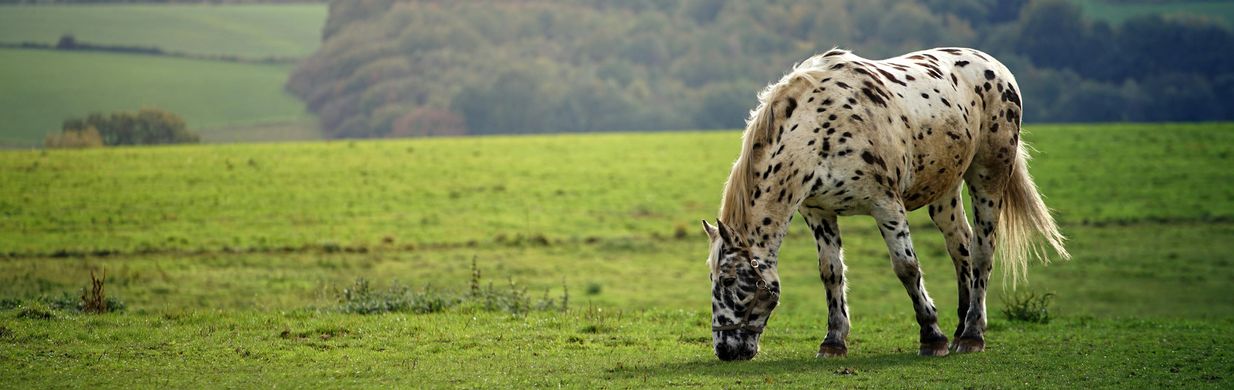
(94, 300)
(361, 298)
(91, 300)
(1028, 307)
(598, 320)
(70, 303)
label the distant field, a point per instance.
(43, 88)
(1219, 11)
(256, 31)
(232, 259)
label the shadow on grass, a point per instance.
(774, 366)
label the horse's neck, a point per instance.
(767, 226)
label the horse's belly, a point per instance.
(938, 165)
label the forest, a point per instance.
(414, 68)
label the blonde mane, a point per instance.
(760, 128)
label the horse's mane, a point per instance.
(760, 128)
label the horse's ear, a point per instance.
(712, 232)
(725, 233)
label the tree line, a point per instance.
(429, 67)
(148, 126)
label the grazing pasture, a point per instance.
(234, 259)
(43, 88)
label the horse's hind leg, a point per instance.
(948, 215)
(831, 271)
(893, 224)
(986, 184)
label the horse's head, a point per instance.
(744, 291)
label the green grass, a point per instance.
(43, 88)
(460, 190)
(1217, 11)
(252, 31)
(651, 349)
(231, 259)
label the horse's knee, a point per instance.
(907, 270)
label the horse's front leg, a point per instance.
(893, 224)
(831, 270)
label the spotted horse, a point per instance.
(842, 135)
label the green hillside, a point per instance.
(254, 31)
(43, 88)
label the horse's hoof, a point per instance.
(966, 345)
(937, 348)
(832, 350)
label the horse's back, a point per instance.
(914, 123)
(967, 112)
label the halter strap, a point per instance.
(763, 287)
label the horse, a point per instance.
(841, 135)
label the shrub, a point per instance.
(74, 139)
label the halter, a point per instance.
(764, 290)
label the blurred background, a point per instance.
(251, 70)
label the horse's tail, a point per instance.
(1025, 226)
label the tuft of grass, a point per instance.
(9, 303)
(594, 288)
(362, 298)
(598, 320)
(1027, 307)
(36, 312)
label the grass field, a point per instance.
(1216, 10)
(231, 260)
(43, 88)
(251, 31)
